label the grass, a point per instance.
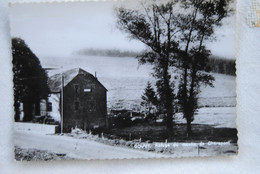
(159, 133)
(23, 154)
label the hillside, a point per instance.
(125, 79)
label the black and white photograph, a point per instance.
(123, 79)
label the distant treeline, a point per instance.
(107, 52)
(217, 64)
(222, 66)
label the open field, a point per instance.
(126, 80)
(217, 117)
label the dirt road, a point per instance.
(77, 148)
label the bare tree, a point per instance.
(197, 27)
(154, 26)
(175, 33)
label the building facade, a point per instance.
(77, 99)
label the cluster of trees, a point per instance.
(107, 52)
(30, 80)
(175, 33)
(217, 64)
(223, 66)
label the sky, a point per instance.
(59, 29)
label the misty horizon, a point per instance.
(76, 26)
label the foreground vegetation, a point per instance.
(205, 142)
(157, 132)
(22, 154)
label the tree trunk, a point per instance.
(168, 98)
(154, 117)
(17, 110)
(28, 109)
(169, 121)
(189, 127)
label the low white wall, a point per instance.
(34, 127)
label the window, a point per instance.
(76, 105)
(87, 88)
(76, 88)
(49, 106)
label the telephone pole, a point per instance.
(61, 99)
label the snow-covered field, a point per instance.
(214, 116)
(126, 80)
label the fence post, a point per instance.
(198, 149)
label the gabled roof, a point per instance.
(54, 81)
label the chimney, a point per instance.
(95, 74)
